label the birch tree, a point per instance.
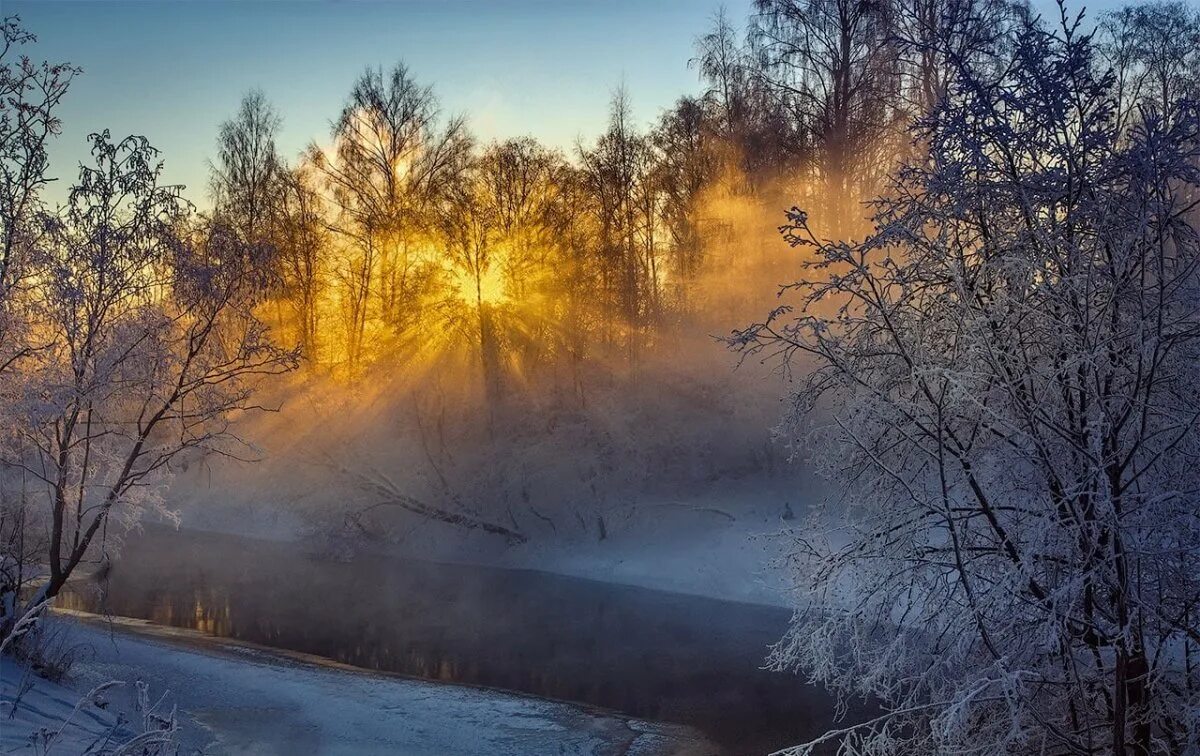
(247, 177)
(834, 63)
(152, 347)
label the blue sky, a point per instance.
(173, 71)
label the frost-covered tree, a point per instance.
(149, 346)
(1004, 378)
(30, 94)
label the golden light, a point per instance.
(491, 289)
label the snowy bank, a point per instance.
(726, 543)
(237, 698)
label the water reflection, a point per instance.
(647, 653)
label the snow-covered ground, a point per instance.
(724, 544)
(700, 547)
(239, 699)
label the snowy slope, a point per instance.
(724, 544)
(53, 714)
(237, 699)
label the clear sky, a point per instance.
(173, 71)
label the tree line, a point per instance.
(402, 232)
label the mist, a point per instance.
(572, 449)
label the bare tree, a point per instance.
(248, 174)
(619, 180)
(686, 165)
(749, 119)
(833, 62)
(302, 253)
(1154, 50)
(935, 37)
(502, 226)
(30, 94)
(152, 348)
(470, 231)
(391, 160)
(1007, 370)
(722, 62)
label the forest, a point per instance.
(941, 255)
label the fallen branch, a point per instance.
(391, 496)
(457, 519)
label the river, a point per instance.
(648, 654)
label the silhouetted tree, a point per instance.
(617, 172)
(1154, 49)
(391, 160)
(687, 163)
(834, 65)
(248, 176)
(749, 120)
(302, 255)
